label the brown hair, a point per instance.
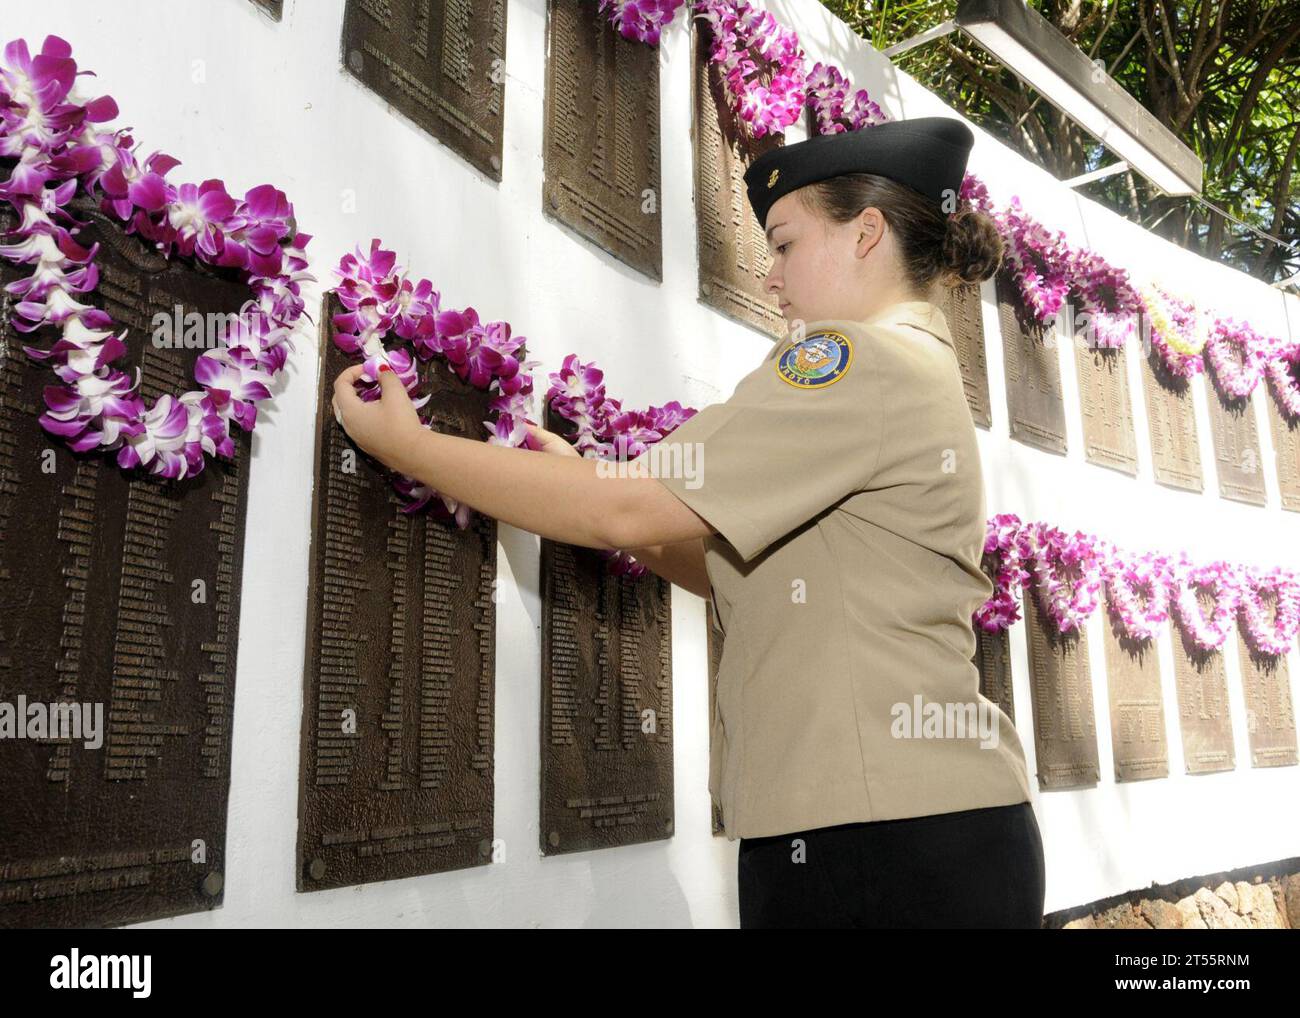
(956, 248)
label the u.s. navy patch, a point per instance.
(820, 360)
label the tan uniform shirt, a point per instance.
(843, 478)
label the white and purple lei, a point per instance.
(51, 141)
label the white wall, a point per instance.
(276, 107)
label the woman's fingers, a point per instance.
(348, 375)
(344, 393)
(551, 442)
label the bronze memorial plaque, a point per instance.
(602, 135)
(1236, 445)
(396, 773)
(1137, 709)
(731, 246)
(1171, 420)
(964, 310)
(1270, 714)
(1203, 713)
(1035, 406)
(1065, 734)
(993, 658)
(607, 701)
(1109, 439)
(715, 641)
(119, 617)
(439, 62)
(1286, 452)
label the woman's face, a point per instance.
(823, 270)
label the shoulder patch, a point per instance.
(820, 360)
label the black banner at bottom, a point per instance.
(139, 967)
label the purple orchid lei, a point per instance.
(1138, 589)
(379, 300)
(1220, 581)
(1046, 269)
(748, 44)
(1237, 353)
(836, 110)
(1038, 259)
(606, 431)
(1282, 366)
(642, 20)
(1067, 571)
(1275, 635)
(1107, 296)
(51, 140)
(742, 32)
(1143, 591)
(1007, 548)
(1177, 331)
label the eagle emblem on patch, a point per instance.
(820, 360)
(771, 180)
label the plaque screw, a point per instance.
(317, 868)
(706, 289)
(554, 839)
(668, 826)
(496, 163)
(212, 884)
(355, 60)
(555, 200)
(485, 848)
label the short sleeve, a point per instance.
(777, 454)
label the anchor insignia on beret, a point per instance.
(771, 180)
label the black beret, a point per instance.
(927, 154)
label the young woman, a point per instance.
(833, 510)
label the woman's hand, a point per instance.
(385, 428)
(551, 442)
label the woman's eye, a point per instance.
(780, 248)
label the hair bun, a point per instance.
(972, 247)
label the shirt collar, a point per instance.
(918, 313)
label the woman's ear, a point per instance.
(871, 228)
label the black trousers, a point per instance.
(973, 869)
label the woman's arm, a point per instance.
(559, 498)
(571, 499)
(681, 563)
